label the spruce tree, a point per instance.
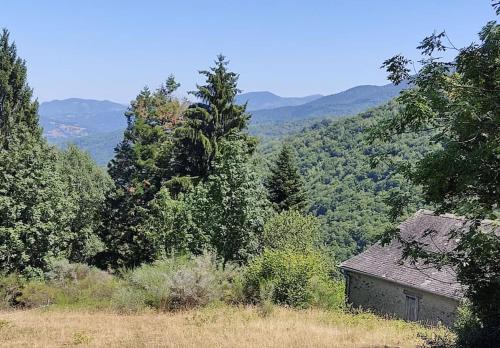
(208, 122)
(285, 185)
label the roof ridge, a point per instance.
(453, 216)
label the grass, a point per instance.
(213, 326)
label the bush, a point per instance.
(81, 285)
(471, 332)
(176, 283)
(62, 271)
(37, 294)
(298, 279)
(10, 289)
(65, 284)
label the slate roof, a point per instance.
(385, 261)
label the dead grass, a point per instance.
(220, 326)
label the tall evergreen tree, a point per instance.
(142, 166)
(285, 185)
(34, 214)
(208, 122)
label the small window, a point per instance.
(347, 286)
(411, 308)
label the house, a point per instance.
(377, 279)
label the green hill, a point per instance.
(348, 102)
(344, 191)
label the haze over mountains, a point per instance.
(97, 126)
(349, 102)
(76, 117)
(268, 100)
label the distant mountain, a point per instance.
(268, 100)
(97, 126)
(349, 102)
(69, 118)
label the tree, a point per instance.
(87, 187)
(34, 210)
(208, 122)
(285, 186)
(292, 230)
(140, 169)
(458, 103)
(229, 209)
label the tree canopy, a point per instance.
(459, 102)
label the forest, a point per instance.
(194, 210)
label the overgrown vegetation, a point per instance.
(459, 101)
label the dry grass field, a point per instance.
(208, 327)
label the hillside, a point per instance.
(344, 191)
(349, 102)
(76, 117)
(268, 100)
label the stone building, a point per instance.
(378, 280)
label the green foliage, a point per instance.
(229, 209)
(87, 187)
(207, 123)
(299, 279)
(166, 151)
(174, 284)
(139, 170)
(285, 185)
(10, 289)
(344, 191)
(36, 294)
(66, 285)
(292, 230)
(459, 100)
(34, 211)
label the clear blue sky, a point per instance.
(111, 49)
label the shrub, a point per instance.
(299, 279)
(129, 300)
(37, 294)
(62, 270)
(81, 285)
(471, 332)
(176, 283)
(10, 289)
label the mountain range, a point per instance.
(97, 126)
(75, 117)
(349, 102)
(268, 100)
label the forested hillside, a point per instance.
(343, 190)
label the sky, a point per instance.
(110, 49)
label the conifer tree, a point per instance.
(208, 122)
(34, 214)
(285, 186)
(140, 169)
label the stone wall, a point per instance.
(385, 297)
